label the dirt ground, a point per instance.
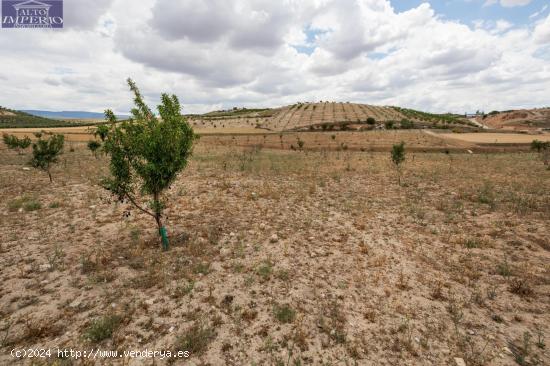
(497, 138)
(283, 258)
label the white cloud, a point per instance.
(217, 54)
(507, 3)
(512, 3)
(542, 31)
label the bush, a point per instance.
(284, 313)
(15, 143)
(371, 121)
(398, 157)
(543, 148)
(196, 339)
(45, 152)
(102, 328)
(94, 146)
(147, 153)
(540, 145)
(407, 124)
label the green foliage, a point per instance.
(407, 124)
(15, 143)
(147, 153)
(102, 328)
(45, 151)
(540, 145)
(93, 145)
(543, 148)
(196, 339)
(398, 153)
(284, 313)
(446, 118)
(300, 143)
(102, 131)
(27, 203)
(371, 121)
(398, 157)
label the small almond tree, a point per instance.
(94, 146)
(45, 151)
(147, 153)
(398, 157)
(15, 143)
(300, 144)
(543, 148)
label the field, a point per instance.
(317, 116)
(284, 257)
(498, 138)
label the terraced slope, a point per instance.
(300, 116)
(320, 116)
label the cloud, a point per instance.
(542, 31)
(216, 54)
(507, 3)
(512, 3)
(82, 14)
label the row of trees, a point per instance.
(147, 152)
(45, 151)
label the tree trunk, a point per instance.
(158, 218)
(157, 210)
(50, 176)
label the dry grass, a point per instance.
(497, 138)
(312, 257)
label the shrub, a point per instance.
(94, 146)
(102, 328)
(371, 121)
(15, 143)
(102, 131)
(543, 148)
(398, 157)
(196, 339)
(45, 152)
(147, 153)
(26, 203)
(407, 124)
(540, 145)
(32, 205)
(284, 313)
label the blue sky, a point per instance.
(468, 11)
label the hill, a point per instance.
(65, 115)
(522, 119)
(10, 118)
(324, 116)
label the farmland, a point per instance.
(320, 116)
(314, 256)
(291, 243)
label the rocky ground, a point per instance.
(283, 258)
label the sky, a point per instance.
(438, 56)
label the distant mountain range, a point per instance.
(68, 114)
